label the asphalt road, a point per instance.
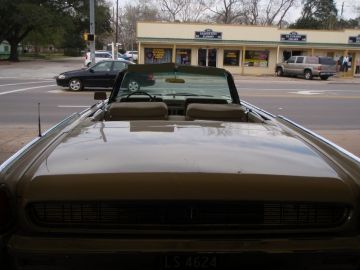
(314, 104)
(331, 108)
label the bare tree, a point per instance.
(172, 8)
(226, 11)
(276, 11)
(129, 16)
(251, 12)
(194, 10)
(183, 10)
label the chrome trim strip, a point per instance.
(26, 148)
(257, 108)
(339, 148)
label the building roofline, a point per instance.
(244, 25)
(249, 42)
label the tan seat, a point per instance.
(217, 112)
(137, 111)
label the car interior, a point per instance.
(190, 109)
(180, 96)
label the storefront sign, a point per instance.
(293, 37)
(231, 55)
(158, 53)
(208, 34)
(354, 40)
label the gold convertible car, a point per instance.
(178, 173)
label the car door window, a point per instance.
(103, 66)
(291, 60)
(300, 60)
(119, 66)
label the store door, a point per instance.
(207, 57)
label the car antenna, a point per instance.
(39, 120)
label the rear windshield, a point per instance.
(327, 61)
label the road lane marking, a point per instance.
(26, 89)
(57, 91)
(23, 83)
(73, 106)
(295, 89)
(309, 92)
(30, 77)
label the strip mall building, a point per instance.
(247, 50)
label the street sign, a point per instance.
(354, 40)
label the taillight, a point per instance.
(319, 67)
(150, 76)
(5, 209)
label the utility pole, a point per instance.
(115, 56)
(117, 21)
(92, 31)
(342, 10)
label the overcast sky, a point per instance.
(349, 11)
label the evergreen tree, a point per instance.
(317, 14)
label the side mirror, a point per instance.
(100, 96)
(91, 70)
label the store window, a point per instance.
(231, 57)
(256, 59)
(157, 55)
(183, 56)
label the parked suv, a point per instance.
(307, 66)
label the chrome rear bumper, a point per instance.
(89, 253)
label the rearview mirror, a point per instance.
(100, 96)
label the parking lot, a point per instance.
(330, 108)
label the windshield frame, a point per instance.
(205, 70)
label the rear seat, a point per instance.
(137, 111)
(217, 112)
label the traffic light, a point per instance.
(90, 37)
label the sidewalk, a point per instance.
(39, 69)
(273, 78)
(47, 69)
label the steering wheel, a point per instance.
(152, 98)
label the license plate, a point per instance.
(190, 262)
